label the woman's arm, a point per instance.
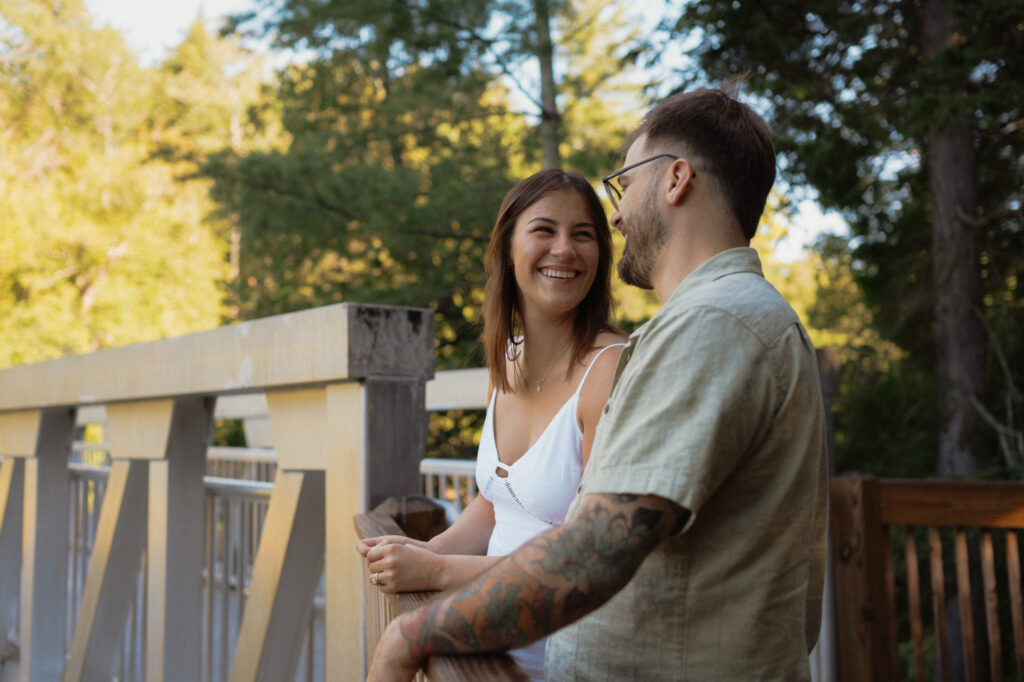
(449, 559)
(408, 568)
(468, 535)
(471, 531)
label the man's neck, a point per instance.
(682, 256)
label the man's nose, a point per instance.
(615, 219)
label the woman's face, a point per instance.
(554, 253)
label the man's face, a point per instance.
(640, 220)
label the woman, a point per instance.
(551, 354)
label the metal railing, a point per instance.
(235, 512)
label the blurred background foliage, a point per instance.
(226, 183)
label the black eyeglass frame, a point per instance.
(614, 195)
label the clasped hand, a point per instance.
(402, 564)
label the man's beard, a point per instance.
(647, 234)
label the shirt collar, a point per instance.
(723, 264)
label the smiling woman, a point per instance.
(554, 254)
(551, 355)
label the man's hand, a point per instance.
(392, 661)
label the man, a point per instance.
(695, 549)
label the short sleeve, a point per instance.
(687, 407)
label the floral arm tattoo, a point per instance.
(548, 583)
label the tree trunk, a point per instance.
(549, 116)
(959, 333)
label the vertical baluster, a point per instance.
(129, 641)
(211, 525)
(122, 648)
(963, 584)
(1016, 601)
(243, 556)
(988, 575)
(74, 525)
(144, 603)
(225, 606)
(914, 596)
(939, 603)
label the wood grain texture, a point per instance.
(866, 624)
(1016, 601)
(939, 604)
(342, 342)
(963, 593)
(988, 504)
(988, 576)
(914, 602)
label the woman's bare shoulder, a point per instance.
(606, 338)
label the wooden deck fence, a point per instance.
(345, 388)
(966, 534)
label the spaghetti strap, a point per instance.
(591, 365)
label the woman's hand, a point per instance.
(405, 567)
(365, 545)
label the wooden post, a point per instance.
(864, 604)
(45, 517)
(11, 482)
(174, 559)
(346, 389)
(284, 580)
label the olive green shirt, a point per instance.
(716, 406)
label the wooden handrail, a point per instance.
(990, 504)
(419, 518)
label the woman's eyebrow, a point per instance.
(540, 218)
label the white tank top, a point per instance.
(540, 485)
(536, 494)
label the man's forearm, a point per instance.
(550, 582)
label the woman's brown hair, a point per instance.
(502, 321)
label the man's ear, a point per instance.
(680, 177)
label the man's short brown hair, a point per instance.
(731, 142)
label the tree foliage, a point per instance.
(404, 137)
(101, 243)
(866, 99)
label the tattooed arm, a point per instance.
(546, 584)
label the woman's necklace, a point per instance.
(540, 384)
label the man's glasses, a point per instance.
(612, 186)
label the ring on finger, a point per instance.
(373, 579)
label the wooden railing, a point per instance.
(419, 518)
(967, 534)
(345, 389)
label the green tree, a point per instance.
(906, 117)
(102, 241)
(403, 140)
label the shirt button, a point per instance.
(607, 407)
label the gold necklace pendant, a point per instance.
(540, 383)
